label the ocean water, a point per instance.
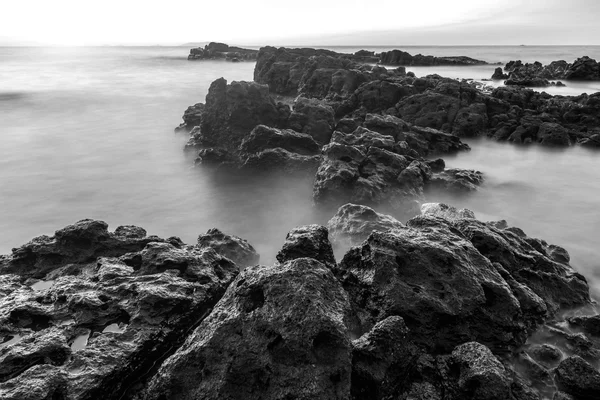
(88, 133)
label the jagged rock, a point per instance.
(192, 117)
(233, 247)
(445, 211)
(277, 333)
(215, 50)
(429, 109)
(314, 118)
(577, 377)
(399, 57)
(589, 324)
(584, 68)
(97, 329)
(217, 158)
(553, 134)
(80, 243)
(455, 180)
(499, 74)
(264, 137)
(353, 223)
(382, 361)
(414, 272)
(310, 241)
(233, 111)
(282, 161)
(480, 375)
(367, 175)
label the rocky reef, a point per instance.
(539, 75)
(442, 307)
(215, 50)
(399, 57)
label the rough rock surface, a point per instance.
(536, 74)
(445, 211)
(110, 307)
(399, 57)
(353, 223)
(577, 377)
(310, 241)
(455, 180)
(277, 333)
(215, 50)
(233, 247)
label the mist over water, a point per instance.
(88, 133)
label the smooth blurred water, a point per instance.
(88, 133)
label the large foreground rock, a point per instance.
(353, 223)
(107, 313)
(277, 333)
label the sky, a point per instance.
(306, 22)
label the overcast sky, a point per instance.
(306, 22)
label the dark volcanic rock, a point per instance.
(499, 75)
(277, 333)
(264, 137)
(192, 117)
(456, 180)
(584, 68)
(310, 241)
(215, 50)
(353, 223)
(74, 245)
(233, 110)
(578, 378)
(102, 323)
(480, 375)
(358, 168)
(383, 360)
(313, 118)
(233, 247)
(281, 161)
(407, 272)
(589, 324)
(399, 57)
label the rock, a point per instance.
(313, 118)
(592, 142)
(379, 95)
(499, 74)
(216, 158)
(215, 50)
(437, 165)
(233, 247)
(264, 137)
(192, 117)
(578, 378)
(480, 375)
(584, 68)
(78, 244)
(398, 57)
(104, 320)
(445, 211)
(429, 109)
(589, 324)
(382, 359)
(546, 354)
(353, 223)
(456, 180)
(367, 175)
(553, 134)
(233, 111)
(281, 161)
(311, 241)
(277, 333)
(412, 272)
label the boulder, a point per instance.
(553, 134)
(353, 223)
(233, 247)
(313, 118)
(277, 333)
(415, 273)
(499, 74)
(192, 117)
(233, 111)
(445, 211)
(578, 378)
(310, 241)
(584, 68)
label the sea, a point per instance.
(87, 132)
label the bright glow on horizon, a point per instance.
(75, 22)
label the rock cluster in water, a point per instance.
(442, 307)
(539, 75)
(215, 50)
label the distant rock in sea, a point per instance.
(215, 50)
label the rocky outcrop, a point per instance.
(577, 377)
(233, 247)
(353, 223)
(310, 241)
(536, 74)
(192, 117)
(215, 50)
(109, 308)
(455, 180)
(277, 333)
(362, 167)
(399, 57)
